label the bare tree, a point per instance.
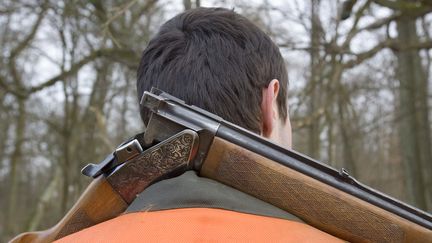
(414, 109)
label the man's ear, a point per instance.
(269, 108)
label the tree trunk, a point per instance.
(187, 4)
(15, 161)
(4, 135)
(347, 140)
(44, 199)
(314, 102)
(414, 117)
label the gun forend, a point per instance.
(322, 206)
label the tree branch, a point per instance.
(112, 53)
(398, 5)
(381, 22)
(20, 47)
(412, 9)
(8, 89)
(367, 54)
(74, 68)
(390, 43)
(353, 31)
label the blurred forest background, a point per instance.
(360, 95)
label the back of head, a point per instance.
(217, 60)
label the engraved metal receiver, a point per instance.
(129, 170)
(166, 159)
(123, 153)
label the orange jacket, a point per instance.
(198, 225)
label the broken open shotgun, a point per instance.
(181, 137)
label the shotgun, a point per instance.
(182, 137)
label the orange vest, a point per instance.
(198, 225)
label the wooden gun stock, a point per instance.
(98, 203)
(317, 203)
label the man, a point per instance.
(218, 60)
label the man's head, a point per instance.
(218, 60)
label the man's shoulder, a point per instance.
(192, 191)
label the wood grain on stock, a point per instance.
(98, 203)
(318, 204)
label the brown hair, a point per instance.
(217, 60)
